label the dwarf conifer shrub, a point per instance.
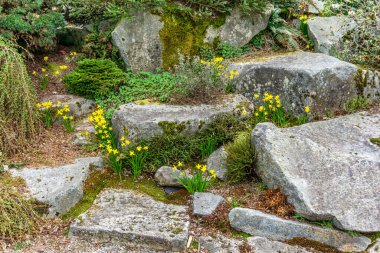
(19, 117)
(94, 78)
(33, 23)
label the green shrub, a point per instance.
(228, 51)
(20, 120)
(94, 10)
(94, 78)
(32, 23)
(241, 158)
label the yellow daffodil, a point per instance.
(43, 70)
(244, 112)
(256, 95)
(199, 166)
(307, 109)
(146, 148)
(131, 153)
(139, 148)
(179, 164)
(34, 73)
(174, 167)
(204, 168)
(46, 58)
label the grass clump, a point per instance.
(356, 104)
(241, 158)
(18, 215)
(20, 120)
(94, 78)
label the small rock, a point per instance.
(217, 161)
(60, 187)
(375, 248)
(166, 176)
(135, 220)
(327, 32)
(220, 244)
(80, 139)
(274, 228)
(315, 7)
(205, 203)
(263, 245)
(78, 106)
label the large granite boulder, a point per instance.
(329, 170)
(327, 32)
(239, 28)
(135, 220)
(146, 121)
(305, 79)
(59, 187)
(138, 41)
(274, 228)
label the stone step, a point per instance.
(60, 187)
(257, 223)
(134, 220)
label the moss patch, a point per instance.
(100, 180)
(375, 141)
(183, 33)
(171, 127)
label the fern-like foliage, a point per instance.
(284, 34)
(19, 118)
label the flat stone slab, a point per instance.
(217, 162)
(301, 79)
(60, 187)
(146, 121)
(329, 170)
(205, 203)
(274, 228)
(220, 244)
(78, 106)
(263, 245)
(133, 219)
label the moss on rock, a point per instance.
(183, 33)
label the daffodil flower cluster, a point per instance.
(303, 19)
(270, 109)
(136, 157)
(103, 131)
(199, 182)
(218, 69)
(46, 110)
(64, 113)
